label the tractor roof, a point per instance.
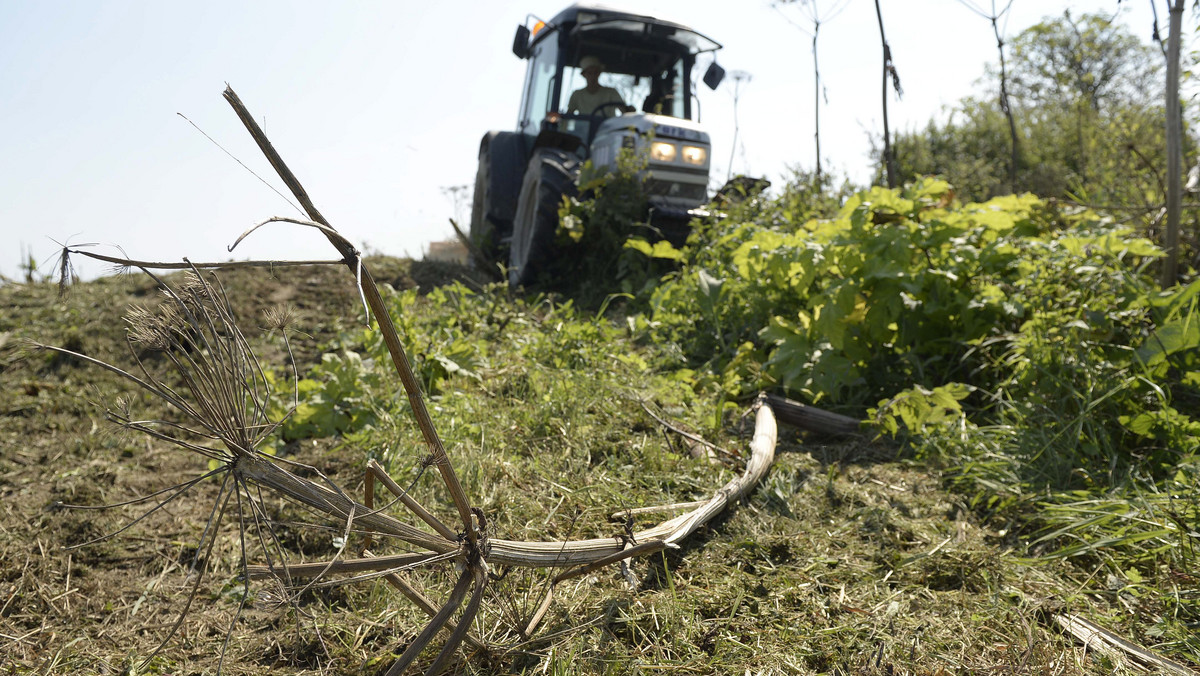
(593, 23)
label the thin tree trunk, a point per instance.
(817, 98)
(1014, 159)
(888, 161)
(1170, 269)
(737, 83)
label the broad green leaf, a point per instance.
(1176, 336)
(640, 245)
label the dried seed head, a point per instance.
(169, 314)
(196, 296)
(192, 285)
(147, 330)
(122, 407)
(66, 273)
(279, 317)
(272, 599)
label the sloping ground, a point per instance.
(843, 561)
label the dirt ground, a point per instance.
(101, 608)
(67, 606)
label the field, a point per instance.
(850, 557)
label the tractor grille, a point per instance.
(687, 191)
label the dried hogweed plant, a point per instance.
(220, 392)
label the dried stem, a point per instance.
(375, 470)
(423, 602)
(684, 433)
(371, 292)
(185, 265)
(439, 620)
(464, 622)
(558, 554)
(224, 393)
(630, 552)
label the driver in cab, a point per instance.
(592, 99)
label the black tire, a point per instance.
(482, 231)
(550, 176)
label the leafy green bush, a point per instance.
(1015, 345)
(1043, 313)
(593, 259)
(851, 308)
(334, 399)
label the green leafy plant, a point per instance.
(604, 235)
(919, 409)
(334, 399)
(1016, 346)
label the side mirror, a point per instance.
(521, 42)
(714, 75)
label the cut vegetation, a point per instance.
(1021, 498)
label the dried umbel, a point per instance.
(220, 393)
(208, 373)
(147, 330)
(227, 391)
(279, 318)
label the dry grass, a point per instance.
(843, 561)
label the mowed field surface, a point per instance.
(844, 560)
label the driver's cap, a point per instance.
(589, 62)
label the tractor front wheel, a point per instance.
(551, 175)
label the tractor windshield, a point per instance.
(659, 93)
(646, 66)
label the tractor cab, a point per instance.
(640, 98)
(648, 61)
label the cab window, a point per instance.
(539, 85)
(660, 93)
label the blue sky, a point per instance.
(378, 107)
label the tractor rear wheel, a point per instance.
(483, 232)
(551, 175)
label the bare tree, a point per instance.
(1170, 269)
(739, 76)
(994, 17)
(816, 17)
(889, 71)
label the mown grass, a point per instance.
(846, 559)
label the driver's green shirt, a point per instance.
(585, 102)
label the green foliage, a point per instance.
(1086, 98)
(1088, 59)
(604, 236)
(971, 149)
(851, 309)
(918, 408)
(1014, 344)
(1112, 156)
(1018, 344)
(333, 399)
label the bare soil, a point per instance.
(103, 607)
(843, 561)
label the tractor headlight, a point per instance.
(662, 151)
(694, 155)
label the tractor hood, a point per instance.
(661, 126)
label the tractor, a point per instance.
(641, 70)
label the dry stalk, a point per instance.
(353, 260)
(187, 265)
(1095, 637)
(223, 400)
